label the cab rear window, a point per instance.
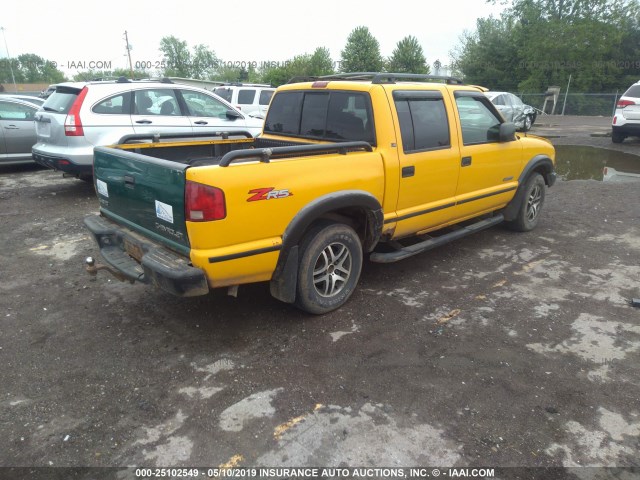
(327, 115)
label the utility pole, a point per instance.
(126, 39)
(13, 79)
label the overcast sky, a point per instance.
(77, 31)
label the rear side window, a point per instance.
(284, 114)
(423, 121)
(265, 97)
(326, 115)
(116, 105)
(61, 100)
(245, 97)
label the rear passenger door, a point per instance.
(157, 110)
(110, 119)
(429, 161)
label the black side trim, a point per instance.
(480, 197)
(250, 253)
(422, 212)
(448, 205)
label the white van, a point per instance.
(252, 98)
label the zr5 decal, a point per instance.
(268, 193)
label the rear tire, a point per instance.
(532, 201)
(329, 269)
(617, 137)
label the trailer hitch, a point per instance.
(92, 268)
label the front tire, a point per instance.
(528, 121)
(531, 206)
(329, 269)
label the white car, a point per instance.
(253, 99)
(626, 119)
(81, 115)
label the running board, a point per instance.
(411, 250)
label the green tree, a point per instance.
(177, 57)
(408, 57)
(538, 43)
(180, 62)
(29, 68)
(361, 53)
(317, 64)
(204, 62)
(320, 62)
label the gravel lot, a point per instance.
(502, 349)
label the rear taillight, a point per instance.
(624, 103)
(203, 203)
(73, 124)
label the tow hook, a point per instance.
(93, 268)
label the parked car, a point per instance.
(626, 119)
(513, 109)
(28, 98)
(252, 99)
(46, 93)
(17, 130)
(81, 115)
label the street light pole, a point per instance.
(13, 79)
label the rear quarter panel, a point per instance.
(255, 221)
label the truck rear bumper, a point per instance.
(142, 260)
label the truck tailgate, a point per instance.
(143, 193)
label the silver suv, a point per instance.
(80, 116)
(626, 119)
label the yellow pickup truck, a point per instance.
(385, 165)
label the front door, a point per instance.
(489, 168)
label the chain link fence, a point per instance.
(592, 104)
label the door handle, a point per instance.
(11, 127)
(201, 122)
(408, 171)
(146, 122)
(466, 161)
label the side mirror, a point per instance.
(233, 115)
(507, 132)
